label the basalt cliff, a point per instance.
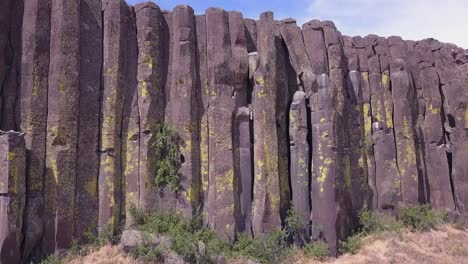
(269, 115)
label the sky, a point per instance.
(445, 20)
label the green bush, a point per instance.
(316, 249)
(418, 217)
(52, 259)
(147, 253)
(351, 245)
(375, 223)
(294, 227)
(168, 157)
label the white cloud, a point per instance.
(445, 20)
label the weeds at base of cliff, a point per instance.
(416, 218)
(90, 243)
(186, 234)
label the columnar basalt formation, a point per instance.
(62, 125)
(269, 116)
(33, 114)
(12, 198)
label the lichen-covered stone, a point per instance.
(182, 106)
(117, 17)
(62, 126)
(204, 93)
(151, 100)
(86, 208)
(270, 96)
(12, 195)
(404, 124)
(220, 200)
(33, 113)
(300, 161)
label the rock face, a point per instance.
(12, 198)
(268, 116)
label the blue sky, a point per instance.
(445, 20)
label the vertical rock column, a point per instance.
(10, 85)
(204, 92)
(130, 159)
(33, 114)
(86, 209)
(182, 106)
(62, 126)
(150, 102)
(300, 158)
(4, 37)
(387, 177)
(403, 98)
(268, 113)
(324, 164)
(220, 200)
(292, 36)
(243, 193)
(12, 195)
(454, 90)
(438, 173)
(241, 130)
(117, 25)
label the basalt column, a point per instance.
(12, 195)
(454, 89)
(438, 173)
(403, 98)
(12, 56)
(360, 57)
(270, 97)
(33, 114)
(300, 158)
(220, 200)
(241, 134)
(325, 166)
(62, 126)
(130, 159)
(357, 134)
(5, 14)
(150, 103)
(387, 177)
(204, 97)
(118, 20)
(243, 192)
(292, 36)
(182, 106)
(86, 209)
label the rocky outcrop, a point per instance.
(268, 115)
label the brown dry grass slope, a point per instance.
(443, 246)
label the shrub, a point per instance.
(147, 253)
(316, 249)
(351, 245)
(375, 223)
(52, 259)
(168, 157)
(419, 217)
(294, 227)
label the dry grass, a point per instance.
(105, 255)
(443, 246)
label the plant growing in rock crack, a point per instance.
(168, 157)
